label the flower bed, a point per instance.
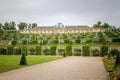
(109, 65)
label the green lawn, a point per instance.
(8, 63)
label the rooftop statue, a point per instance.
(60, 25)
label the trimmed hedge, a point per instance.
(104, 50)
(17, 51)
(86, 50)
(38, 50)
(9, 50)
(45, 42)
(14, 42)
(46, 51)
(116, 40)
(77, 52)
(53, 50)
(66, 41)
(24, 42)
(95, 52)
(77, 41)
(2, 51)
(69, 50)
(32, 51)
(56, 41)
(24, 50)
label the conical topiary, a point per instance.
(23, 60)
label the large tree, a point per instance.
(29, 26)
(22, 25)
(34, 25)
(105, 25)
(1, 26)
(6, 26)
(98, 24)
(12, 25)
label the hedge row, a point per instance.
(52, 51)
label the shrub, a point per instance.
(77, 52)
(89, 40)
(86, 50)
(66, 41)
(14, 42)
(38, 50)
(34, 41)
(46, 51)
(2, 51)
(53, 50)
(116, 40)
(104, 50)
(117, 62)
(24, 42)
(32, 51)
(78, 41)
(23, 60)
(69, 50)
(113, 52)
(45, 42)
(95, 52)
(24, 50)
(17, 51)
(9, 50)
(56, 41)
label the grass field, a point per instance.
(8, 63)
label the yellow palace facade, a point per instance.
(60, 28)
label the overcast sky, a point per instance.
(68, 12)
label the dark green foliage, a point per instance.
(24, 50)
(56, 41)
(17, 51)
(64, 54)
(78, 41)
(86, 50)
(23, 60)
(64, 36)
(95, 52)
(38, 50)
(14, 42)
(104, 50)
(53, 50)
(66, 41)
(34, 41)
(2, 51)
(114, 52)
(32, 51)
(24, 42)
(9, 50)
(22, 25)
(117, 62)
(116, 40)
(77, 52)
(69, 50)
(45, 42)
(46, 51)
(89, 40)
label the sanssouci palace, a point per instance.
(60, 28)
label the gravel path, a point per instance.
(70, 68)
